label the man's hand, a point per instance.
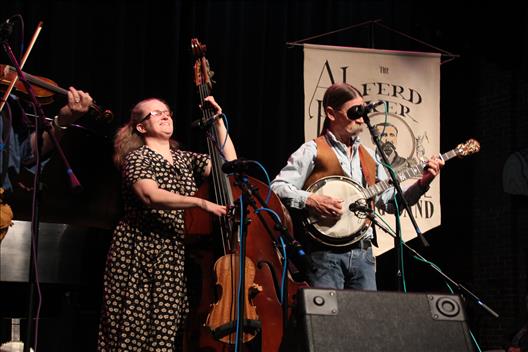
(79, 103)
(325, 205)
(431, 170)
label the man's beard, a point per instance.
(388, 148)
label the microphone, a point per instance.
(206, 122)
(299, 256)
(358, 111)
(6, 28)
(357, 207)
(237, 165)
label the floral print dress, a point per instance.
(145, 297)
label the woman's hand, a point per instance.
(213, 208)
(211, 100)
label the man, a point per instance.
(388, 134)
(338, 151)
(18, 144)
(18, 140)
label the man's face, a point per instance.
(388, 134)
(389, 138)
(342, 124)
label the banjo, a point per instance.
(353, 224)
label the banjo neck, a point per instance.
(405, 174)
(470, 147)
(352, 225)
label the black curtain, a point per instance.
(122, 52)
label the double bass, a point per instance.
(264, 294)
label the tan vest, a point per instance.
(327, 164)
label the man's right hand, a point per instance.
(325, 205)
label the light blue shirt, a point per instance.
(20, 152)
(289, 182)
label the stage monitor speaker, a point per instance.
(348, 320)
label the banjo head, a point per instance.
(342, 231)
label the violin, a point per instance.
(44, 89)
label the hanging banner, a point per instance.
(409, 82)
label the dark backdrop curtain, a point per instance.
(124, 51)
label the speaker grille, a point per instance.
(381, 321)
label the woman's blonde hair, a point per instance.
(128, 138)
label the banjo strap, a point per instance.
(368, 165)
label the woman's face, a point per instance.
(156, 121)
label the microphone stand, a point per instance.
(294, 248)
(91, 131)
(459, 287)
(40, 126)
(396, 185)
(241, 320)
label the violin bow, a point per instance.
(22, 63)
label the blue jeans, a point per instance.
(354, 269)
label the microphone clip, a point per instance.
(360, 209)
(206, 121)
(239, 165)
(6, 29)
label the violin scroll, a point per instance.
(103, 114)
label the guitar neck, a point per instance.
(404, 174)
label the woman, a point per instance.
(145, 302)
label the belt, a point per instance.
(363, 244)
